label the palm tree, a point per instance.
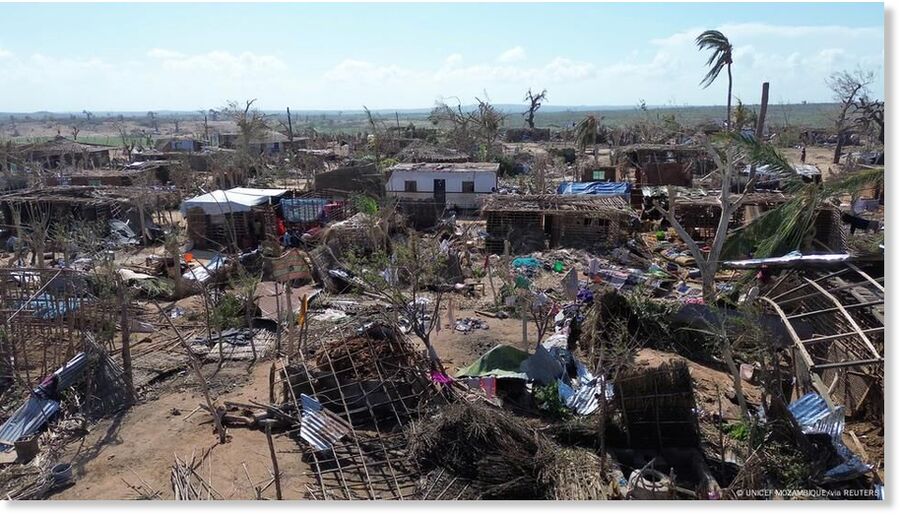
(586, 133)
(719, 59)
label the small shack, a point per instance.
(70, 205)
(346, 181)
(227, 217)
(267, 142)
(656, 164)
(141, 173)
(63, 152)
(526, 134)
(529, 222)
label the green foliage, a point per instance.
(547, 399)
(785, 228)
(786, 466)
(719, 59)
(738, 430)
(387, 163)
(507, 166)
(653, 316)
(157, 288)
(228, 312)
(365, 204)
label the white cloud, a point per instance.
(5, 53)
(453, 60)
(162, 53)
(513, 55)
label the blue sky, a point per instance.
(341, 56)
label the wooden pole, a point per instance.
(524, 324)
(760, 123)
(126, 343)
(274, 461)
(291, 318)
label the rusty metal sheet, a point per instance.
(290, 266)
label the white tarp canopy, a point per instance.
(231, 201)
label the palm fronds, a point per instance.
(720, 57)
(762, 154)
(784, 229)
(856, 181)
(586, 132)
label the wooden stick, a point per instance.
(274, 461)
(195, 364)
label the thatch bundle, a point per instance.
(506, 456)
(575, 474)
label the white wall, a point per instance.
(484, 181)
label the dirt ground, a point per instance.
(139, 446)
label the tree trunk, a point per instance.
(839, 147)
(728, 105)
(736, 378)
(760, 124)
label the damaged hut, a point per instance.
(531, 222)
(655, 164)
(63, 152)
(229, 217)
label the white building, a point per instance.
(463, 185)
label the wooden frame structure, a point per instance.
(836, 323)
(371, 389)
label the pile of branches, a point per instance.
(358, 357)
(187, 484)
(504, 455)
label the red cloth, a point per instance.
(280, 227)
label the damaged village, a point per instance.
(469, 304)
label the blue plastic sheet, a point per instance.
(600, 188)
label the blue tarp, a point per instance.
(302, 210)
(594, 188)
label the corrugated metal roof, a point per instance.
(813, 415)
(69, 373)
(320, 427)
(27, 420)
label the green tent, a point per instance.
(502, 361)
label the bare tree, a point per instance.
(846, 87)
(127, 143)
(252, 125)
(205, 125)
(400, 279)
(474, 131)
(534, 103)
(153, 121)
(586, 133)
(870, 115)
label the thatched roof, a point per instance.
(62, 145)
(84, 195)
(558, 204)
(701, 197)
